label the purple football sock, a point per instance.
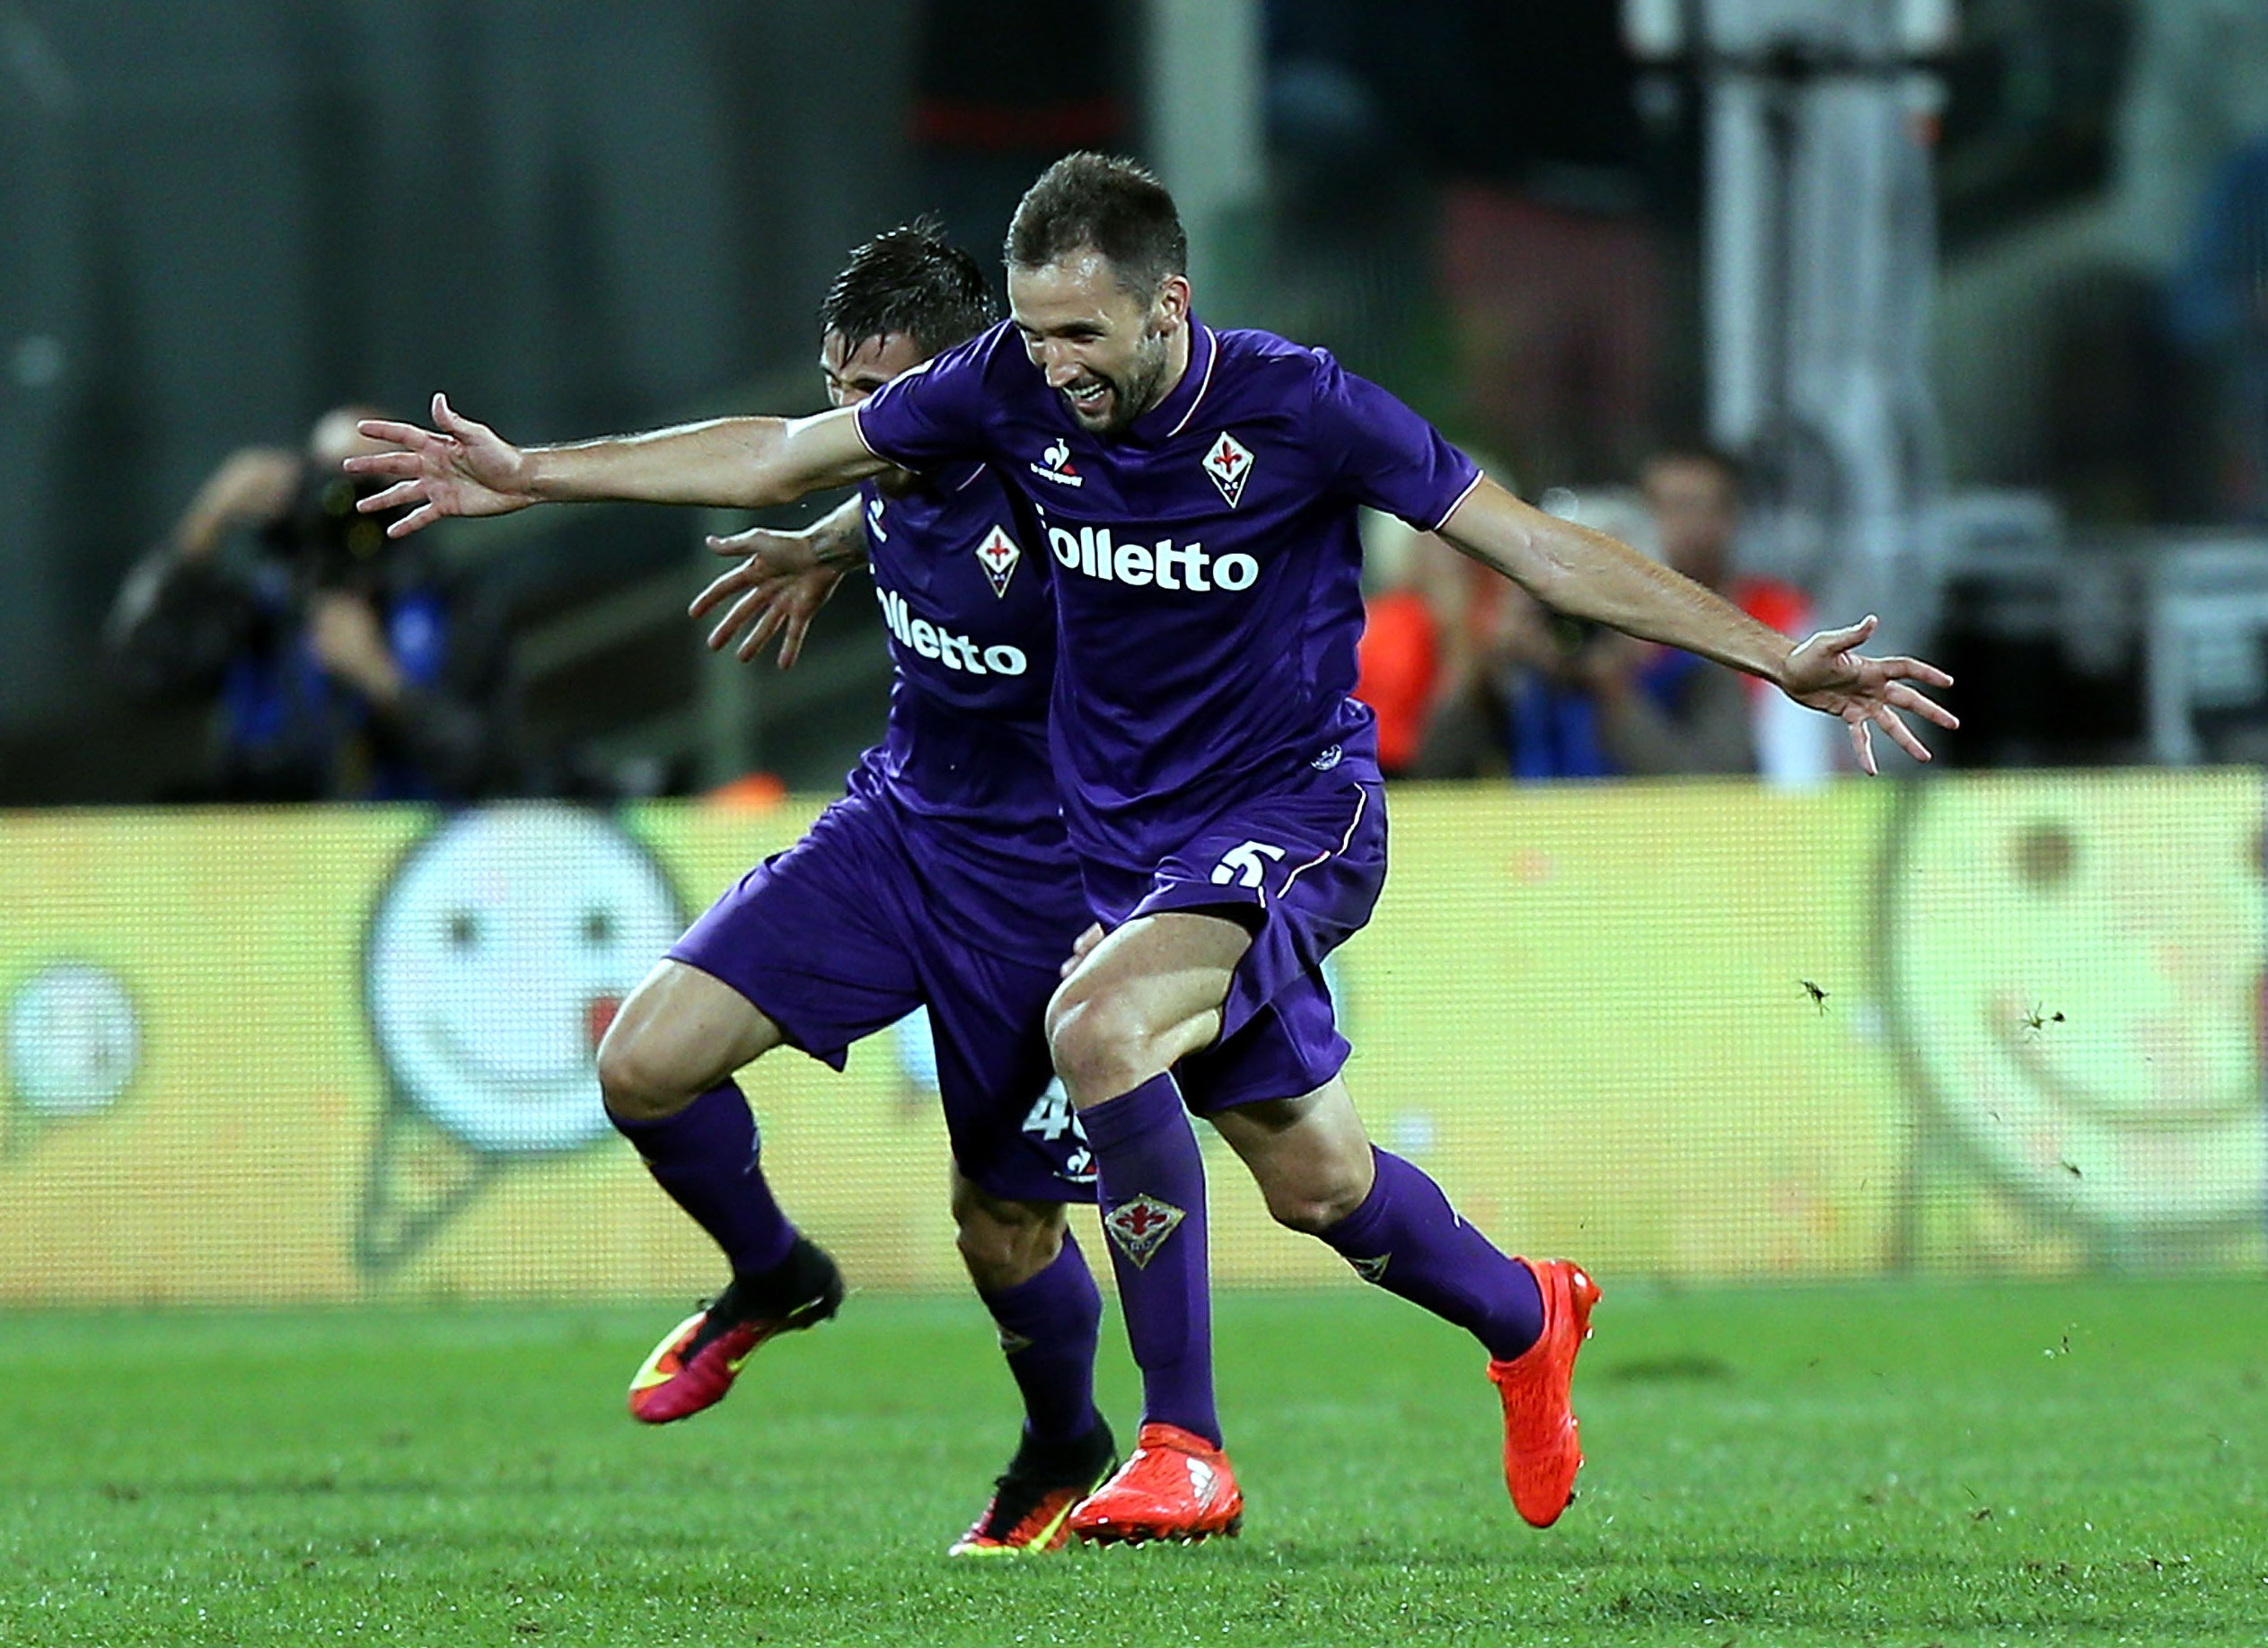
(1049, 1325)
(1407, 1238)
(1152, 1184)
(705, 1157)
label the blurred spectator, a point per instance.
(1399, 662)
(1693, 498)
(2220, 315)
(1414, 618)
(1536, 696)
(1546, 697)
(343, 665)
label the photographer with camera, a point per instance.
(344, 665)
(1533, 695)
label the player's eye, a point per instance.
(2045, 856)
(598, 927)
(463, 929)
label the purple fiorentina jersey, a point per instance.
(972, 631)
(1206, 563)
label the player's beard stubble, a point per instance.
(1135, 393)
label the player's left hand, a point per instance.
(1826, 673)
(780, 586)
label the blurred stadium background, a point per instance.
(1942, 275)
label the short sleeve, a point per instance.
(1383, 454)
(937, 412)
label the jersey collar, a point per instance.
(1172, 416)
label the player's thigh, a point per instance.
(1310, 1156)
(1299, 868)
(1148, 994)
(822, 938)
(680, 1033)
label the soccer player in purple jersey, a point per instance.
(943, 878)
(1197, 491)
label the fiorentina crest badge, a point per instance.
(998, 555)
(1141, 1226)
(1228, 462)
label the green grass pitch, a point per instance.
(1892, 1464)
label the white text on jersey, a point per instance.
(955, 652)
(1165, 566)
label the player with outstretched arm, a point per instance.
(1198, 489)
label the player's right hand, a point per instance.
(780, 586)
(457, 467)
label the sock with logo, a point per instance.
(1408, 1239)
(1049, 1326)
(706, 1156)
(1151, 1180)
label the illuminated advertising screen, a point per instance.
(1988, 1023)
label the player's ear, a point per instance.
(1170, 307)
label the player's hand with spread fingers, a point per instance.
(777, 589)
(1826, 673)
(457, 467)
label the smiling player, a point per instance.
(1198, 491)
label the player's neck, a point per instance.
(1177, 358)
(1178, 353)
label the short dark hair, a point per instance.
(910, 280)
(1111, 205)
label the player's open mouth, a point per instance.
(1089, 397)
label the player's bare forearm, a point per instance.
(1586, 574)
(463, 467)
(838, 538)
(727, 463)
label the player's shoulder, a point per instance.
(1249, 349)
(987, 355)
(1268, 368)
(966, 488)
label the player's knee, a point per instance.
(1310, 1216)
(1006, 1244)
(1102, 1048)
(1310, 1201)
(638, 1077)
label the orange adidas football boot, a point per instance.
(1031, 1501)
(1177, 1486)
(1541, 1451)
(695, 1365)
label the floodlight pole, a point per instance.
(1206, 73)
(1820, 268)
